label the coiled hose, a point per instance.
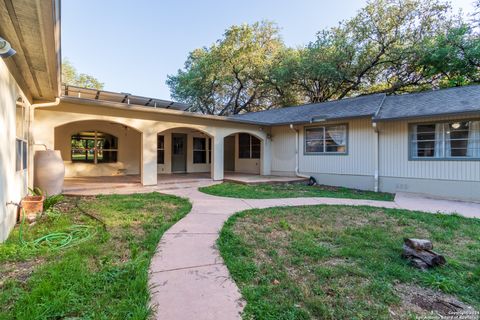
(58, 240)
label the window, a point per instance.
(209, 150)
(94, 147)
(160, 149)
(21, 154)
(199, 150)
(21, 145)
(445, 140)
(248, 146)
(327, 139)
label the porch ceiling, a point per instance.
(33, 30)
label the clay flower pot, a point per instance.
(32, 205)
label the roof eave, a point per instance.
(446, 114)
(326, 120)
(140, 108)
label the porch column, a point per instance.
(217, 155)
(266, 157)
(149, 158)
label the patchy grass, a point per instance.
(340, 262)
(290, 190)
(102, 278)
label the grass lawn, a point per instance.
(290, 190)
(104, 277)
(340, 262)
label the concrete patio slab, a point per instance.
(243, 178)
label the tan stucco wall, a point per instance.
(128, 149)
(13, 184)
(245, 165)
(191, 167)
(149, 124)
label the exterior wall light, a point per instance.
(6, 49)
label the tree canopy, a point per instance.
(389, 46)
(70, 76)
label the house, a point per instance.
(425, 142)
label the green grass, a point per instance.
(102, 278)
(290, 190)
(340, 262)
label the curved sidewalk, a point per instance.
(187, 277)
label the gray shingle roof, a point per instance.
(431, 103)
(364, 106)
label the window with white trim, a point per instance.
(445, 140)
(199, 150)
(21, 144)
(326, 139)
(248, 146)
(160, 149)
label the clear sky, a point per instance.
(132, 45)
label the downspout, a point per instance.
(375, 155)
(297, 154)
(31, 142)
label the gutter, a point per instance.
(132, 107)
(423, 116)
(297, 154)
(47, 104)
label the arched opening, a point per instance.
(183, 150)
(98, 148)
(242, 154)
(94, 147)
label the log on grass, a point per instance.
(430, 258)
(418, 244)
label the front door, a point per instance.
(179, 152)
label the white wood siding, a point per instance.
(394, 157)
(358, 161)
(283, 150)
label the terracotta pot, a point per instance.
(32, 205)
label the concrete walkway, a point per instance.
(418, 202)
(188, 279)
(187, 276)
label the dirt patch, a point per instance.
(19, 271)
(431, 304)
(335, 262)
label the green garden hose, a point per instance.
(59, 240)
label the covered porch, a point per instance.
(114, 147)
(114, 184)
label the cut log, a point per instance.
(418, 244)
(417, 263)
(429, 257)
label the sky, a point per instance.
(132, 45)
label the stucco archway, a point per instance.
(124, 155)
(185, 149)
